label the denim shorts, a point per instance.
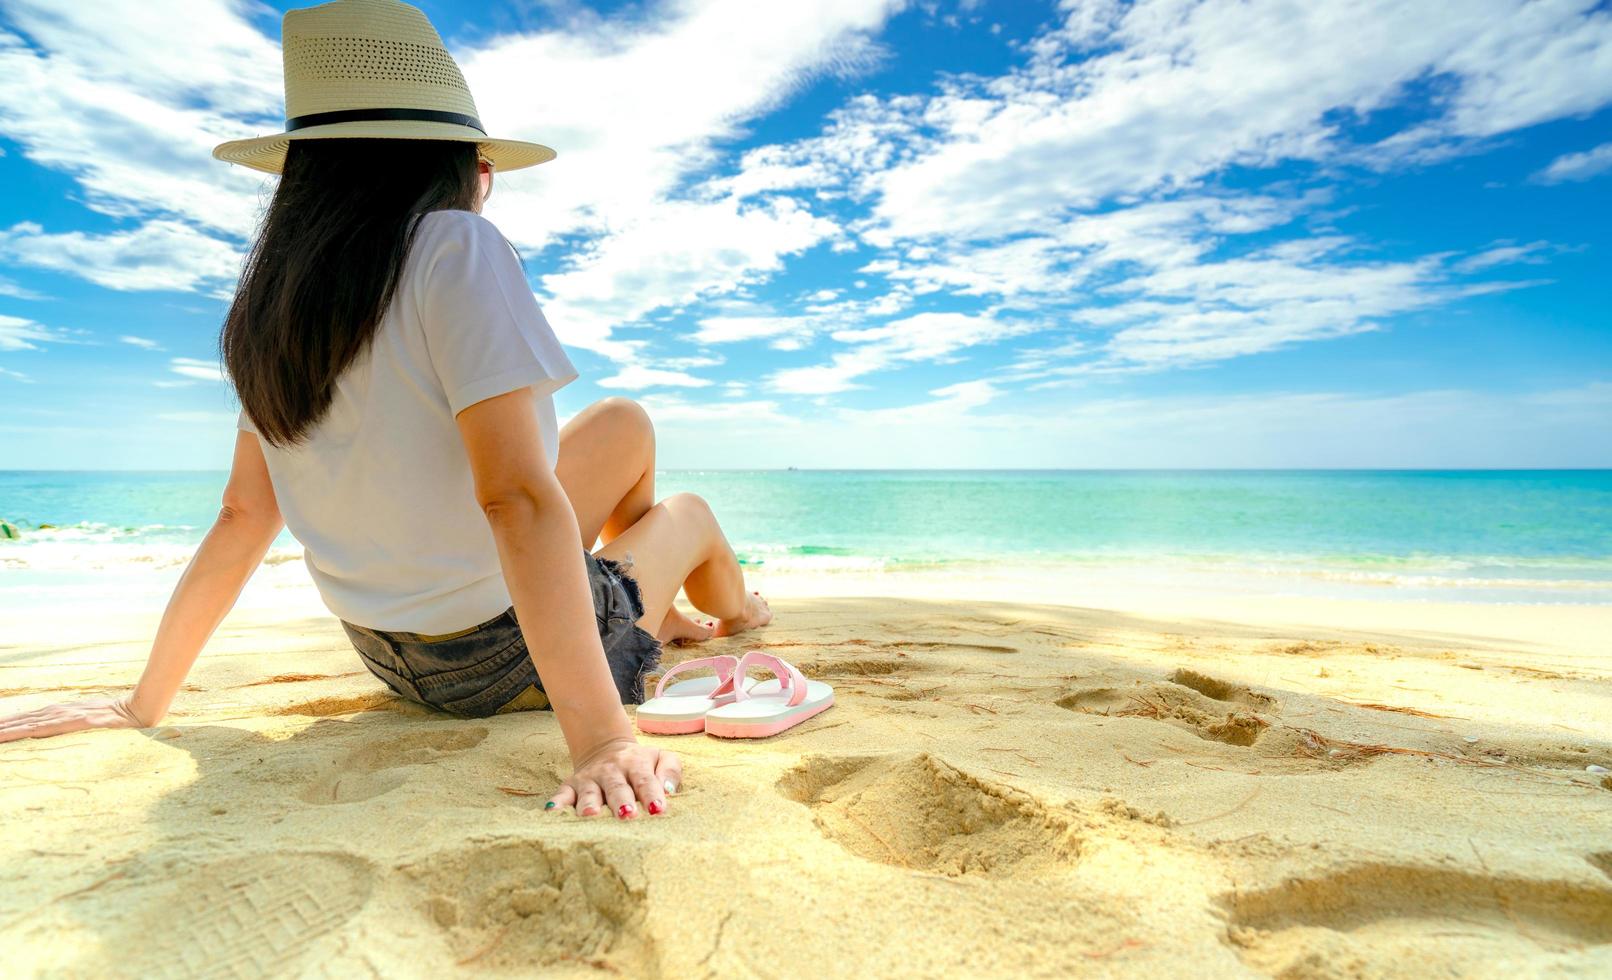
(486, 670)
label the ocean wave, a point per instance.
(100, 547)
(68, 553)
(98, 532)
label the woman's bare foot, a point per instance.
(678, 629)
(756, 613)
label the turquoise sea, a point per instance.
(1536, 536)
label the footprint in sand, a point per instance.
(520, 905)
(1182, 705)
(1602, 862)
(863, 667)
(1374, 920)
(881, 677)
(255, 916)
(328, 707)
(1220, 690)
(922, 813)
(377, 768)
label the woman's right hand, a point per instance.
(624, 777)
(60, 719)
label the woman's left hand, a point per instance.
(623, 777)
(60, 719)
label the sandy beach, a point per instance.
(1009, 785)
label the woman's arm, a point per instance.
(541, 553)
(247, 524)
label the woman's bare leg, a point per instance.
(607, 467)
(678, 544)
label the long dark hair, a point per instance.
(326, 260)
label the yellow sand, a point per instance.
(1210, 786)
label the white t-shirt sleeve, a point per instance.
(483, 328)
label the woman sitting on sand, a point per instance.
(396, 378)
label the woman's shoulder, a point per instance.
(447, 223)
(450, 239)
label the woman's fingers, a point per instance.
(629, 782)
(651, 794)
(590, 800)
(39, 723)
(669, 772)
(61, 719)
(25, 718)
(566, 796)
(18, 730)
(618, 794)
(38, 729)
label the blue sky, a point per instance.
(874, 233)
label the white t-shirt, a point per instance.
(380, 494)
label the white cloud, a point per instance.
(634, 103)
(922, 337)
(160, 254)
(732, 329)
(107, 94)
(950, 403)
(1532, 253)
(1064, 260)
(15, 375)
(1569, 427)
(634, 107)
(682, 252)
(17, 333)
(691, 361)
(1578, 166)
(637, 376)
(1178, 91)
(15, 291)
(144, 343)
(1528, 63)
(794, 331)
(191, 367)
(971, 192)
(744, 414)
(1210, 311)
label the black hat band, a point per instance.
(384, 115)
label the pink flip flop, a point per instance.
(767, 708)
(680, 709)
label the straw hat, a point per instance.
(372, 69)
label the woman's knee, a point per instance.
(690, 506)
(626, 412)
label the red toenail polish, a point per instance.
(655, 807)
(625, 811)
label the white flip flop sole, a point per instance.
(682, 707)
(766, 712)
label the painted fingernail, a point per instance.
(624, 811)
(671, 787)
(549, 805)
(655, 807)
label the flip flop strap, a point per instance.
(789, 678)
(723, 663)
